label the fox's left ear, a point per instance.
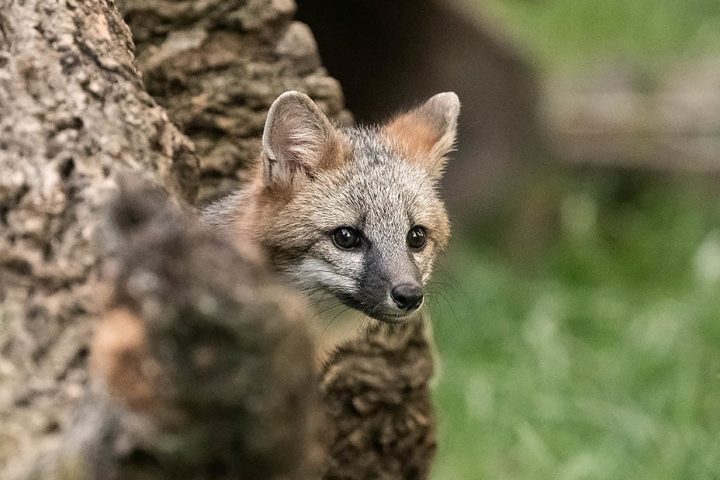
(427, 133)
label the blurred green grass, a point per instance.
(599, 359)
(644, 33)
(601, 362)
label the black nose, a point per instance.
(407, 296)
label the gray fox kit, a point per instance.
(351, 216)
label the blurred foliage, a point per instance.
(598, 357)
(642, 33)
(601, 363)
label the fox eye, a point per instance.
(346, 238)
(416, 237)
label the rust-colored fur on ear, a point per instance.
(426, 135)
(414, 135)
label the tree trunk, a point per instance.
(202, 364)
(73, 114)
(74, 117)
(218, 65)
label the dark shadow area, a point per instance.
(390, 55)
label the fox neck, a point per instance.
(335, 327)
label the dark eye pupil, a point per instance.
(346, 237)
(416, 237)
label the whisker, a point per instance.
(333, 319)
(326, 310)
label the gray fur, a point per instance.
(382, 196)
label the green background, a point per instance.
(598, 356)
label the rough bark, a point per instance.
(218, 65)
(202, 362)
(377, 397)
(73, 114)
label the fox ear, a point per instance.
(427, 133)
(298, 137)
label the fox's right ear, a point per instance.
(298, 138)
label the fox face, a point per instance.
(352, 215)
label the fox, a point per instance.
(351, 216)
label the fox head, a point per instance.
(354, 213)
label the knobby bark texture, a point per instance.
(217, 65)
(376, 396)
(73, 113)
